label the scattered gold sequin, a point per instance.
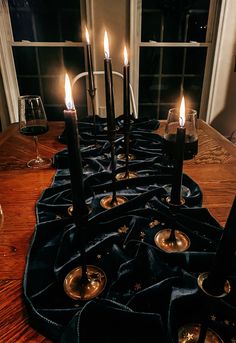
(142, 234)
(226, 321)
(123, 229)
(137, 287)
(155, 222)
(99, 256)
(213, 317)
(58, 217)
(189, 336)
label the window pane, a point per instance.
(46, 21)
(149, 61)
(195, 60)
(42, 71)
(163, 73)
(174, 21)
(25, 61)
(172, 60)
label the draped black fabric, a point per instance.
(150, 294)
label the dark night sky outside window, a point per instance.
(165, 70)
(41, 70)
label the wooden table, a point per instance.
(214, 169)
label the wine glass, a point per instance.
(33, 122)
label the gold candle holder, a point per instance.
(78, 289)
(190, 333)
(109, 202)
(122, 157)
(70, 210)
(172, 240)
(125, 175)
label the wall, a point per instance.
(112, 16)
(222, 110)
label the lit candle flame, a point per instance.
(125, 56)
(68, 94)
(106, 46)
(182, 113)
(87, 35)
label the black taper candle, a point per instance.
(126, 93)
(92, 88)
(110, 107)
(80, 209)
(126, 108)
(109, 96)
(178, 167)
(225, 251)
(75, 162)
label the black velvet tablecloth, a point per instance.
(149, 294)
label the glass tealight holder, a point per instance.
(191, 135)
(191, 141)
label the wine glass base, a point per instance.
(190, 333)
(123, 175)
(179, 244)
(107, 203)
(78, 290)
(122, 157)
(185, 191)
(42, 162)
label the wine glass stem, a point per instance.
(37, 148)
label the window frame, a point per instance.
(7, 64)
(210, 44)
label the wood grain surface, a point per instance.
(214, 169)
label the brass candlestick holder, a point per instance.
(171, 239)
(122, 157)
(79, 287)
(212, 286)
(86, 281)
(191, 334)
(70, 210)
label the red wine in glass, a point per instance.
(33, 122)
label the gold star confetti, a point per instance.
(213, 317)
(99, 256)
(226, 321)
(58, 217)
(137, 287)
(189, 336)
(155, 222)
(142, 234)
(123, 229)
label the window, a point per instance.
(46, 43)
(173, 48)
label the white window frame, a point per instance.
(136, 44)
(7, 65)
